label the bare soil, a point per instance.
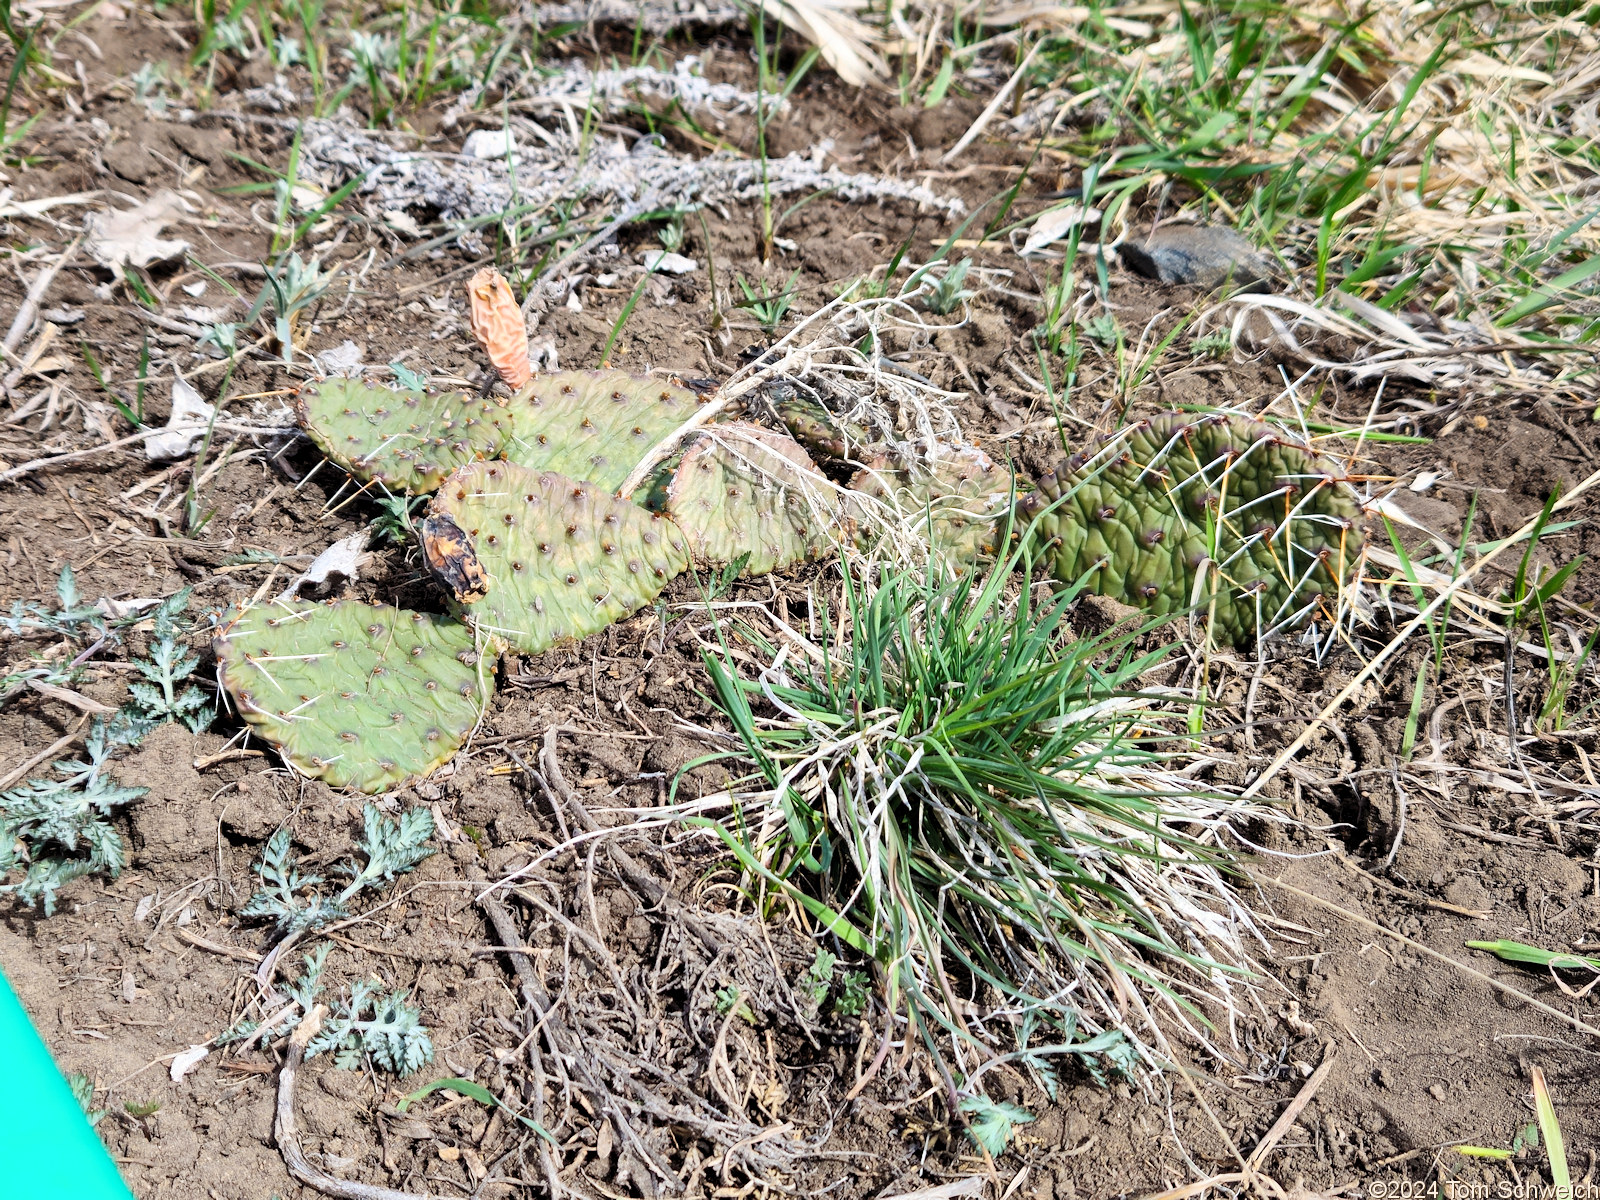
(1423, 1052)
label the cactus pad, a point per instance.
(406, 440)
(595, 425)
(955, 496)
(828, 438)
(360, 695)
(562, 558)
(747, 490)
(1142, 512)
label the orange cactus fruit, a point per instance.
(497, 324)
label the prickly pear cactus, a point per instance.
(1150, 505)
(406, 440)
(557, 557)
(825, 436)
(955, 495)
(595, 425)
(360, 695)
(741, 489)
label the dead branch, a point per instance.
(286, 1130)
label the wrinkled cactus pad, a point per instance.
(828, 438)
(955, 496)
(595, 425)
(741, 489)
(1146, 508)
(561, 558)
(406, 440)
(360, 695)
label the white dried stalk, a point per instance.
(552, 167)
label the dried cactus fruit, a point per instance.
(828, 438)
(595, 425)
(1151, 504)
(498, 325)
(744, 490)
(360, 695)
(406, 440)
(448, 553)
(563, 558)
(953, 494)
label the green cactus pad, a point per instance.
(1284, 536)
(955, 496)
(828, 438)
(595, 425)
(406, 440)
(360, 695)
(747, 490)
(563, 557)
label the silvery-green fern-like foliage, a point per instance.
(71, 619)
(372, 1025)
(392, 1037)
(278, 899)
(58, 830)
(285, 897)
(158, 697)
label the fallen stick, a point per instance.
(30, 304)
(286, 1130)
(988, 113)
(1287, 1118)
(210, 947)
(48, 752)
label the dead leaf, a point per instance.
(1056, 224)
(133, 235)
(343, 359)
(186, 1061)
(412, 1128)
(188, 409)
(345, 557)
(972, 1185)
(666, 262)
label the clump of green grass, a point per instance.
(768, 307)
(948, 291)
(979, 800)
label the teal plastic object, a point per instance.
(48, 1151)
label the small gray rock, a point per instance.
(1201, 255)
(130, 160)
(205, 145)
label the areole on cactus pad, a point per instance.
(1224, 514)
(595, 425)
(741, 491)
(406, 440)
